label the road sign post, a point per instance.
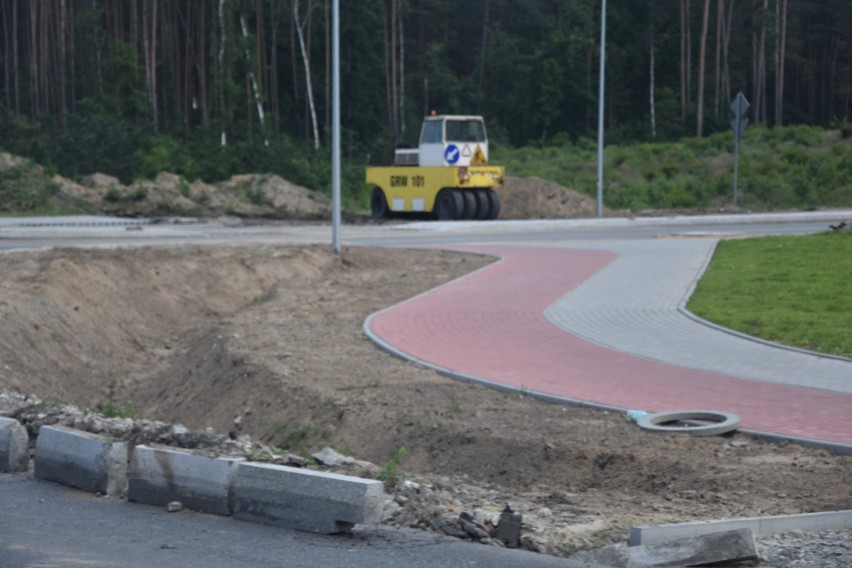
(739, 106)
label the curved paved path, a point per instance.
(599, 323)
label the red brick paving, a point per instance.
(490, 325)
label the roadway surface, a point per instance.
(572, 267)
(45, 525)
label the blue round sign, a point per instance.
(452, 154)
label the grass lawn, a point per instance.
(791, 290)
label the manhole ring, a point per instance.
(692, 422)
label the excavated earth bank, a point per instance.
(266, 342)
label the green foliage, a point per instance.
(25, 189)
(789, 167)
(113, 195)
(785, 289)
(390, 474)
(112, 408)
(139, 194)
(300, 438)
(96, 141)
(253, 194)
(165, 154)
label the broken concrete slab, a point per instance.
(760, 526)
(159, 476)
(728, 546)
(612, 556)
(14, 446)
(80, 459)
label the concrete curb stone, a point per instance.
(296, 498)
(305, 500)
(158, 476)
(80, 459)
(14, 446)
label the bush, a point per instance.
(97, 142)
(165, 154)
(26, 189)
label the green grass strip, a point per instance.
(792, 290)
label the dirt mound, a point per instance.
(270, 338)
(10, 161)
(272, 197)
(535, 198)
(251, 195)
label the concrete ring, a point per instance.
(693, 422)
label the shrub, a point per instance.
(26, 189)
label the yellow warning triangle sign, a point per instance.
(478, 158)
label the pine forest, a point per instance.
(207, 88)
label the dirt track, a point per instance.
(203, 335)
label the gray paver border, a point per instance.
(738, 334)
(760, 526)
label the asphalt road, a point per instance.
(34, 233)
(45, 525)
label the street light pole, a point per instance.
(335, 127)
(599, 204)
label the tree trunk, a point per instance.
(134, 25)
(758, 107)
(187, 72)
(688, 52)
(307, 64)
(705, 24)
(146, 52)
(294, 64)
(763, 62)
(391, 72)
(260, 39)
(401, 103)
(223, 137)
(780, 59)
(15, 69)
(7, 55)
(720, 16)
(202, 67)
(425, 96)
(153, 63)
(833, 76)
(755, 73)
(34, 59)
(328, 49)
(726, 44)
(63, 56)
(652, 101)
(485, 23)
(253, 79)
(273, 58)
(683, 64)
(44, 57)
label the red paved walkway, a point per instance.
(490, 325)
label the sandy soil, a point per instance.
(272, 336)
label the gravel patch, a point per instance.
(799, 549)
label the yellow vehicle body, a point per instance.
(448, 192)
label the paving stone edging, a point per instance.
(296, 498)
(760, 526)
